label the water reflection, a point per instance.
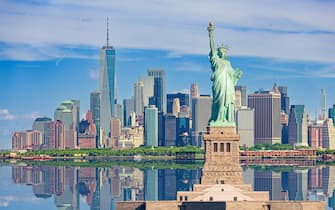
(101, 188)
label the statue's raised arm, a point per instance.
(210, 29)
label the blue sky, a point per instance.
(49, 50)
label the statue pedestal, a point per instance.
(222, 156)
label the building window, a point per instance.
(211, 198)
(185, 198)
(221, 147)
(180, 198)
(228, 147)
(215, 147)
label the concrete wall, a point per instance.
(275, 205)
(162, 205)
(297, 205)
(229, 205)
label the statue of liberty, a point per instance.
(224, 79)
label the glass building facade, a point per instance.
(184, 100)
(107, 88)
(158, 99)
(151, 126)
(95, 109)
(331, 114)
(297, 126)
(285, 100)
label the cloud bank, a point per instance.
(293, 30)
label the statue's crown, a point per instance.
(224, 47)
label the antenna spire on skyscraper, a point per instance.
(107, 34)
(323, 104)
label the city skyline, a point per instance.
(44, 64)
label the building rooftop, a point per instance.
(61, 107)
(43, 119)
(67, 102)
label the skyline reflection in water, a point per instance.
(70, 188)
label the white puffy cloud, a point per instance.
(6, 115)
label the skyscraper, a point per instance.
(151, 126)
(116, 131)
(331, 114)
(328, 134)
(128, 108)
(170, 130)
(107, 85)
(57, 135)
(176, 107)
(95, 109)
(148, 88)
(238, 99)
(184, 100)
(267, 115)
(201, 112)
(76, 110)
(323, 103)
(42, 124)
(297, 126)
(119, 113)
(183, 131)
(158, 98)
(285, 100)
(243, 90)
(315, 131)
(194, 90)
(284, 127)
(68, 113)
(245, 125)
(161, 130)
(138, 98)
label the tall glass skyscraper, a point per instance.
(159, 98)
(138, 98)
(95, 109)
(285, 100)
(107, 86)
(151, 126)
(128, 108)
(297, 126)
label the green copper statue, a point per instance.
(224, 79)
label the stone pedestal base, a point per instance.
(222, 162)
